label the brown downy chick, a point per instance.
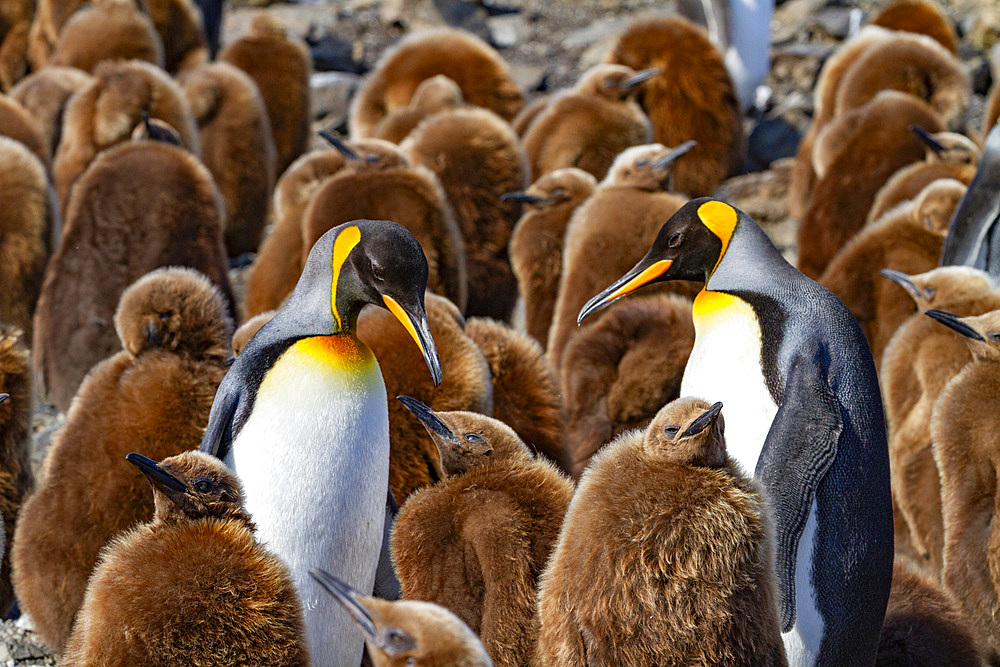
(589, 124)
(155, 395)
(536, 244)
(480, 72)
(923, 625)
(525, 393)
(949, 155)
(619, 372)
(107, 30)
(50, 16)
(528, 113)
(923, 17)
(383, 186)
(15, 444)
(413, 458)
(908, 239)
(138, 207)
(881, 144)
(250, 326)
(991, 115)
(29, 226)
(105, 113)
(692, 97)
(192, 586)
(17, 123)
(963, 429)
(477, 158)
(610, 229)
(236, 146)
(15, 24)
(178, 23)
(433, 95)
(477, 541)
(281, 66)
(45, 95)
(407, 632)
(667, 537)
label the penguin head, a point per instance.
(982, 332)
(192, 485)
(436, 94)
(935, 205)
(649, 167)
(407, 632)
(467, 440)
(568, 185)
(948, 147)
(358, 263)
(616, 82)
(688, 431)
(689, 246)
(367, 154)
(154, 129)
(943, 285)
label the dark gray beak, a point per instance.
(706, 419)
(3, 397)
(674, 154)
(926, 137)
(348, 599)
(524, 197)
(156, 475)
(431, 422)
(639, 77)
(954, 322)
(903, 281)
(339, 144)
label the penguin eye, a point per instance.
(472, 437)
(929, 293)
(994, 335)
(642, 163)
(411, 660)
(203, 485)
(675, 240)
(672, 430)
(559, 192)
(377, 272)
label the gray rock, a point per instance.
(22, 648)
(331, 94)
(507, 30)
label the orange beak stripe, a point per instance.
(649, 273)
(401, 315)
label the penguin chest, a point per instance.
(725, 365)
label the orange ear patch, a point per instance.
(342, 247)
(720, 218)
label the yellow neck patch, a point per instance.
(338, 351)
(342, 247)
(720, 218)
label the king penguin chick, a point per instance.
(880, 144)
(107, 30)
(923, 625)
(744, 353)
(963, 425)
(589, 124)
(49, 17)
(384, 185)
(179, 23)
(668, 537)
(45, 95)
(197, 559)
(154, 394)
(477, 69)
(139, 206)
(248, 329)
(608, 231)
(477, 541)
(236, 146)
(407, 632)
(433, 95)
(692, 97)
(16, 480)
(923, 17)
(15, 24)
(477, 158)
(909, 239)
(536, 243)
(305, 404)
(619, 372)
(105, 113)
(29, 228)
(17, 123)
(280, 65)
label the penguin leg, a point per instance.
(387, 584)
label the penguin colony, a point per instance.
(450, 428)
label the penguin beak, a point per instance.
(349, 600)
(3, 397)
(339, 144)
(414, 320)
(706, 419)
(903, 281)
(954, 322)
(674, 154)
(433, 424)
(157, 476)
(646, 271)
(524, 197)
(926, 137)
(638, 77)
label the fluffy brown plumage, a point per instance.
(477, 158)
(908, 238)
(525, 393)
(179, 24)
(691, 98)
(249, 328)
(236, 146)
(664, 557)
(280, 65)
(15, 24)
(991, 114)
(433, 95)
(479, 71)
(50, 16)
(881, 144)
(45, 95)
(138, 207)
(526, 116)
(105, 113)
(619, 372)
(17, 123)
(193, 586)
(154, 395)
(477, 541)
(924, 17)
(107, 30)
(609, 233)
(536, 244)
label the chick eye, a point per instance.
(672, 430)
(994, 336)
(559, 192)
(202, 485)
(163, 316)
(377, 272)
(411, 660)
(675, 240)
(397, 637)
(472, 437)
(929, 293)
(642, 163)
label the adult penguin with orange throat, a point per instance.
(804, 414)
(302, 419)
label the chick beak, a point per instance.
(157, 476)
(646, 271)
(926, 137)
(523, 197)
(3, 397)
(903, 281)
(638, 77)
(437, 428)
(349, 600)
(674, 154)
(706, 419)
(954, 322)
(414, 320)
(339, 144)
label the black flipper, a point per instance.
(386, 583)
(219, 433)
(973, 236)
(798, 452)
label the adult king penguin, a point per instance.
(803, 412)
(302, 419)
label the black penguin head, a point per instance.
(192, 485)
(982, 332)
(688, 431)
(689, 246)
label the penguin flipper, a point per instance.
(977, 214)
(387, 584)
(799, 450)
(219, 432)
